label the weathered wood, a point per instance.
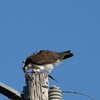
(10, 92)
(36, 86)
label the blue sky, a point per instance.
(58, 25)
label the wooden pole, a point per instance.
(9, 92)
(36, 86)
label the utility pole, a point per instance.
(36, 86)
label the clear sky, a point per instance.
(27, 26)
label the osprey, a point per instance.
(45, 60)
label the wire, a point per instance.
(79, 94)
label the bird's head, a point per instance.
(24, 67)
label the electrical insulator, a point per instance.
(55, 93)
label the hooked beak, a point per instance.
(24, 67)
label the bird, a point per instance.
(45, 60)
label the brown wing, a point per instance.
(44, 57)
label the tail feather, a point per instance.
(67, 54)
